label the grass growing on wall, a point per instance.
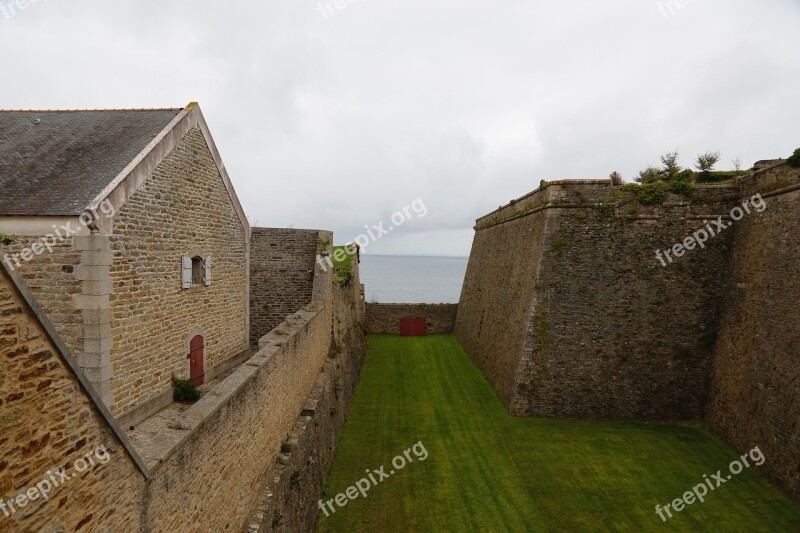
(343, 264)
(489, 471)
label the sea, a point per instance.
(407, 279)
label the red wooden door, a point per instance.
(412, 327)
(196, 373)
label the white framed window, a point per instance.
(195, 271)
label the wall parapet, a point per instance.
(585, 194)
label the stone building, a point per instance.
(125, 261)
(128, 231)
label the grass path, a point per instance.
(488, 471)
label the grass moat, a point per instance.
(485, 470)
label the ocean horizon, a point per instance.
(412, 279)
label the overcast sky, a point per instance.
(336, 118)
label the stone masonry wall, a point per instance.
(755, 390)
(385, 318)
(48, 421)
(183, 209)
(297, 478)
(497, 296)
(51, 277)
(213, 473)
(559, 304)
(212, 464)
(281, 276)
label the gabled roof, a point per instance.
(70, 162)
(57, 162)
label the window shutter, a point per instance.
(186, 272)
(207, 267)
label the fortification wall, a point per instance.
(296, 480)
(500, 289)
(755, 389)
(281, 275)
(569, 313)
(385, 318)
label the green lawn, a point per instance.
(489, 471)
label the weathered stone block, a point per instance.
(97, 258)
(90, 302)
(91, 243)
(94, 359)
(92, 273)
(97, 288)
(97, 316)
(98, 345)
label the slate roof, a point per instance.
(57, 162)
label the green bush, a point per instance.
(652, 193)
(794, 160)
(670, 166)
(718, 176)
(647, 193)
(607, 211)
(683, 188)
(684, 175)
(184, 391)
(650, 175)
(706, 162)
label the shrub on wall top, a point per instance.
(184, 391)
(683, 188)
(794, 160)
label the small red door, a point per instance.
(196, 361)
(412, 327)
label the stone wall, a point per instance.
(296, 480)
(212, 472)
(212, 463)
(281, 275)
(51, 277)
(568, 312)
(48, 420)
(755, 390)
(182, 209)
(385, 318)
